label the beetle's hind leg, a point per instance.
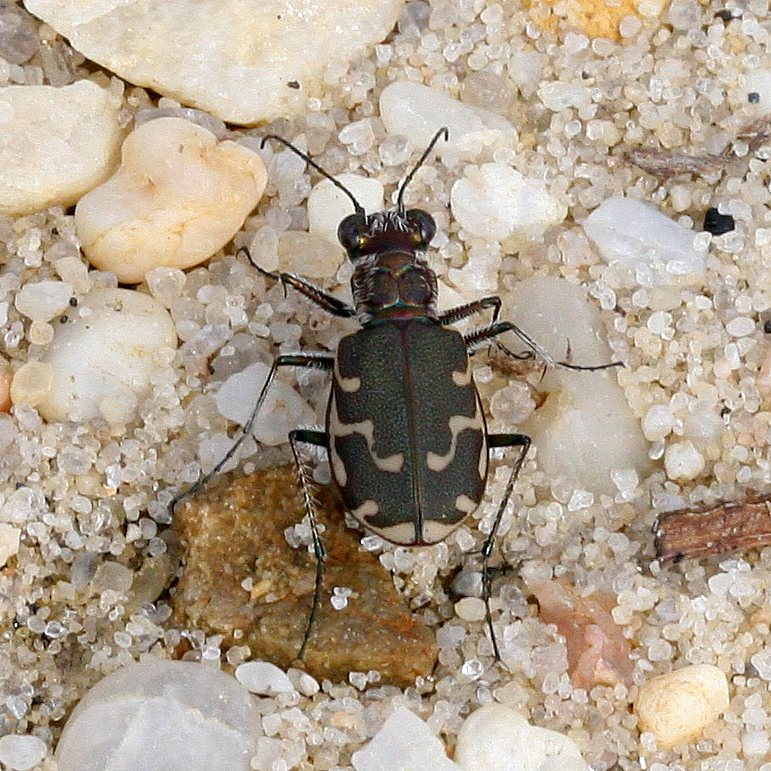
(308, 360)
(318, 439)
(500, 440)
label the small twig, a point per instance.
(721, 529)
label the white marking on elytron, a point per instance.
(338, 469)
(392, 463)
(435, 532)
(462, 378)
(403, 533)
(457, 423)
(348, 384)
(464, 504)
(367, 509)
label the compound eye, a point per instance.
(350, 232)
(423, 225)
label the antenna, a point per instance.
(358, 208)
(443, 132)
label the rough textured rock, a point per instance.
(178, 196)
(55, 144)
(234, 533)
(258, 61)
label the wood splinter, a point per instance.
(703, 532)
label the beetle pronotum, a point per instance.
(405, 429)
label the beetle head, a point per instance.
(361, 234)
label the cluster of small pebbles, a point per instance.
(605, 174)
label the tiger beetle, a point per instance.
(405, 429)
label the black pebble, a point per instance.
(717, 223)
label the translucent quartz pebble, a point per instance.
(646, 240)
(101, 361)
(21, 753)
(169, 715)
(263, 678)
(586, 428)
(328, 205)
(404, 743)
(418, 112)
(178, 196)
(494, 201)
(282, 410)
(678, 706)
(55, 144)
(497, 738)
(257, 62)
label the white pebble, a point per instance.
(309, 255)
(495, 201)
(646, 240)
(683, 461)
(418, 112)
(282, 410)
(43, 300)
(55, 144)
(658, 422)
(404, 743)
(178, 196)
(497, 738)
(758, 81)
(328, 205)
(9, 542)
(200, 717)
(263, 678)
(470, 609)
(108, 350)
(20, 753)
(741, 326)
(586, 428)
(678, 706)
(558, 95)
(257, 62)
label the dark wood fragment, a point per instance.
(703, 532)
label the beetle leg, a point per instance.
(500, 440)
(477, 339)
(318, 296)
(309, 360)
(469, 309)
(319, 439)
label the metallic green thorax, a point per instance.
(406, 431)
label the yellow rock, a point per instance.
(678, 706)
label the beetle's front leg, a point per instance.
(318, 439)
(318, 296)
(477, 339)
(308, 360)
(469, 309)
(500, 440)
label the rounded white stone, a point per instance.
(682, 461)
(640, 236)
(55, 144)
(263, 678)
(658, 422)
(586, 428)
(178, 196)
(307, 254)
(9, 545)
(758, 81)
(20, 753)
(328, 205)
(497, 738)
(678, 706)
(259, 61)
(417, 112)
(108, 349)
(282, 410)
(741, 326)
(494, 201)
(43, 300)
(174, 715)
